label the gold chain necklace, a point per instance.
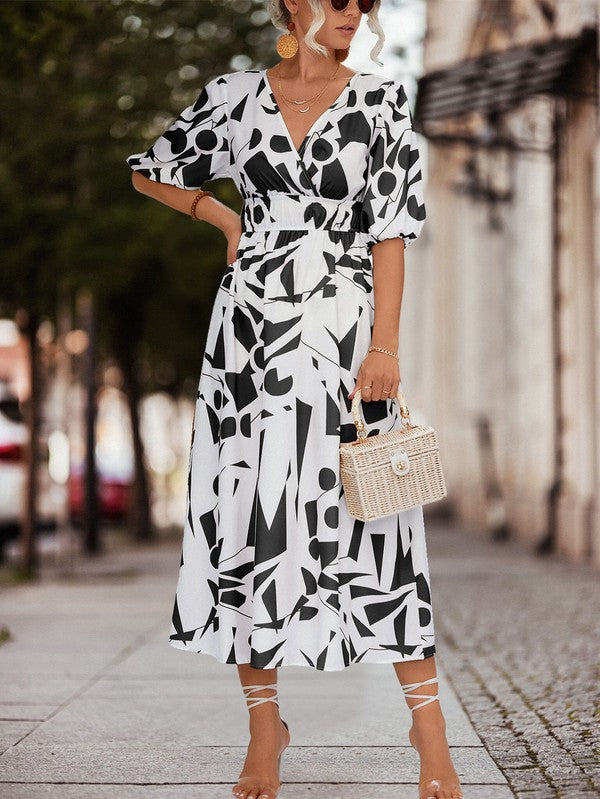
(291, 103)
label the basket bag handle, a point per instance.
(361, 432)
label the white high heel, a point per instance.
(427, 698)
(253, 701)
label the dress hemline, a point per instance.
(431, 650)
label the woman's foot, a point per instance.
(259, 778)
(438, 778)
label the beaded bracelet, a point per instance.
(387, 352)
(200, 194)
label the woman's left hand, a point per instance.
(382, 373)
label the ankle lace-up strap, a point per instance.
(258, 699)
(428, 697)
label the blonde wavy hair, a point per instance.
(280, 16)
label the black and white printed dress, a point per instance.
(274, 571)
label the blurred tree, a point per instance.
(84, 83)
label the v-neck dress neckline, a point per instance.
(299, 151)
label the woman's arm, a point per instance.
(379, 369)
(388, 287)
(208, 209)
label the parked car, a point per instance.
(14, 438)
(113, 494)
(114, 484)
(13, 443)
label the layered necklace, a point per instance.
(292, 103)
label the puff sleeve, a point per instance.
(195, 147)
(393, 203)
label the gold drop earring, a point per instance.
(287, 45)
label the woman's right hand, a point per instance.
(233, 234)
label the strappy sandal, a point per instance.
(427, 698)
(256, 700)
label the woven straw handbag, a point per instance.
(393, 471)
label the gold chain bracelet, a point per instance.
(387, 352)
(200, 194)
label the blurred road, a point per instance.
(95, 703)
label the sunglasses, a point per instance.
(364, 5)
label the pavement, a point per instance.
(94, 703)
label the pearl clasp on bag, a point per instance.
(400, 462)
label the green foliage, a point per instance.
(82, 85)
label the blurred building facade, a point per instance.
(501, 343)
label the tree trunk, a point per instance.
(140, 515)
(92, 544)
(31, 409)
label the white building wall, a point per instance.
(478, 338)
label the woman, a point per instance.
(274, 570)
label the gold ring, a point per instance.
(385, 392)
(366, 387)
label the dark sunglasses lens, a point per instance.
(364, 5)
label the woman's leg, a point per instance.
(428, 731)
(259, 778)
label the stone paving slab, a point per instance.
(11, 732)
(36, 690)
(110, 762)
(290, 790)
(139, 710)
(14, 711)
